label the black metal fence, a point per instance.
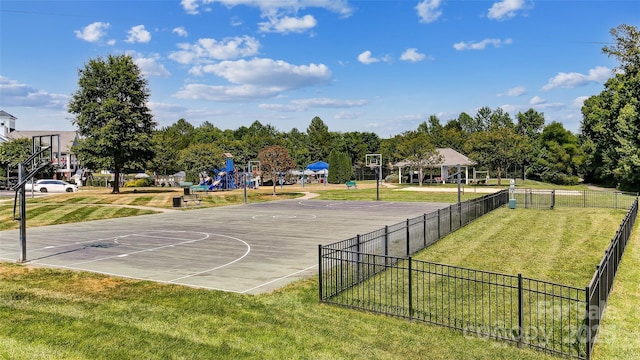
(375, 272)
(549, 199)
(602, 280)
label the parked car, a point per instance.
(49, 185)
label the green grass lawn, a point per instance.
(59, 314)
(386, 194)
(562, 246)
(101, 204)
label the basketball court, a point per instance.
(251, 248)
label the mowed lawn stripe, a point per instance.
(562, 245)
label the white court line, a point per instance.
(144, 250)
(221, 266)
(296, 217)
(138, 278)
(341, 205)
(280, 278)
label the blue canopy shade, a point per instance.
(318, 165)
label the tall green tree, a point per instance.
(560, 156)
(418, 151)
(611, 120)
(13, 152)
(340, 168)
(319, 139)
(111, 113)
(275, 161)
(497, 149)
(530, 124)
(198, 160)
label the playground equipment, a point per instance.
(223, 179)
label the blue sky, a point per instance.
(379, 66)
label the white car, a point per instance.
(48, 185)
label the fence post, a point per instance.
(520, 312)
(553, 199)
(424, 230)
(320, 271)
(410, 290)
(408, 238)
(386, 240)
(584, 198)
(587, 323)
(358, 259)
(450, 219)
(439, 236)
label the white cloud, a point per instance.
(138, 34)
(180, 31)
(150, 65)
(412, 55)
(16, 94)
(270, 73)
(579, 101)
(515, 91)
(348, 115)
(537, 100)
(93, 32)
(505, 9)
(255, 79)
(571, 80)
(208, 50)
(305, 104)
(481, 45)
(429, 10)
(338, 6)
(288, 24)
(366, 58)
(329, 103)
(226, 93)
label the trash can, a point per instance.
(512, 203)
(177, 201)
(187, 190)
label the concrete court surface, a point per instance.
(253, 248)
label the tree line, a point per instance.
(118, 133)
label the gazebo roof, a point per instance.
(449, 157)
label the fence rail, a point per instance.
(549, 199)
(375, 272)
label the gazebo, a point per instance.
(450, 159)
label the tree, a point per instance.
(198, 159)
(453, 136)
(339, 166)
(468, 124)
(416, 149)
(274, 162)
(611, 120)
(559, 157)
(497, 149)
(112, 116)
(13, 152)
(530, 123)
(319, 139)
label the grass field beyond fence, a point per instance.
(557, 250)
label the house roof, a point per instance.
(6, 114)
(449, 157)
(67, 138)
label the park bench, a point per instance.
(351, 184)
(195, 188)
(193, 198)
